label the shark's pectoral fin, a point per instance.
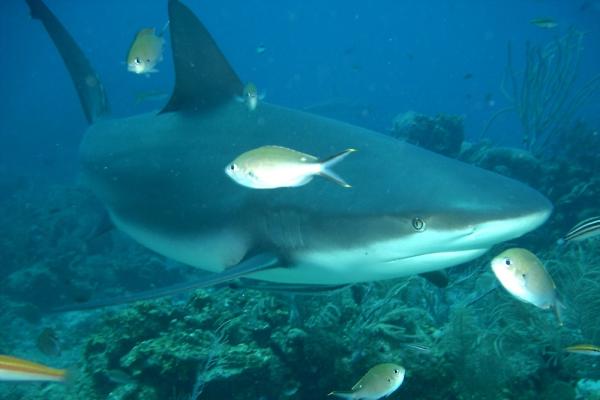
(248, 266)
(88, 86)
(203, 77)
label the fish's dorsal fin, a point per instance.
(203, 77)
(89, 88)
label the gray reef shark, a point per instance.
(161, 177)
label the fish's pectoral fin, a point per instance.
(257, 263)
(328, 163)
(558, 307)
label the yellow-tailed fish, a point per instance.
(523, 275)
(250, 96)
(271, 167)
(586, 229)
(145, 52)
(380, 381)
(587, 349)
(545, 23)
(16, 369)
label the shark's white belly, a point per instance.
(212, 251)
(351, 266)
(217, 250)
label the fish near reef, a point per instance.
(17, 369)
(585, 349)
(586, 229)
(48, 343)
(380, 381)
(523, 275)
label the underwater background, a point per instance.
(434, 73)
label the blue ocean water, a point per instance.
(360, 62)
(387, 56)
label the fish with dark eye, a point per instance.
(523, 275)
(146, 51)
(380, 381)
(585, 349)
(48, 343)
(270, 167)
(250, 96)
(586, 229)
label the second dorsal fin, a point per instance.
(203, 77)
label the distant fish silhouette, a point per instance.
(47, 342)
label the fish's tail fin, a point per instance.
(558, 307)
(328, 163)
(86, 81)
(342, 395)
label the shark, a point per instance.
(161, 178)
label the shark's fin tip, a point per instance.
(203, 77)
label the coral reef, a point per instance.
(543, 96)
(443, 133)
(466, 341)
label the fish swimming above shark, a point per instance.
(160, 177)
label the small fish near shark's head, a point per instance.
(161, 179)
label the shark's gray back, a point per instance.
(161, 177)
(167, 170)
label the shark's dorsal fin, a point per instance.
(203, 77)
(88, 85)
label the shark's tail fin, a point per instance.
(88, 86)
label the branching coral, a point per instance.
(544, 96)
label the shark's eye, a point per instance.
(396, 371)
(507, 261)
(418, 224)
(232, 167)
(137, 60)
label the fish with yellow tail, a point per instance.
(250, 96)
(585, 349)
(271, 167)
(146, 51)
(380, 381)
(16, 369)
(523, 275)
